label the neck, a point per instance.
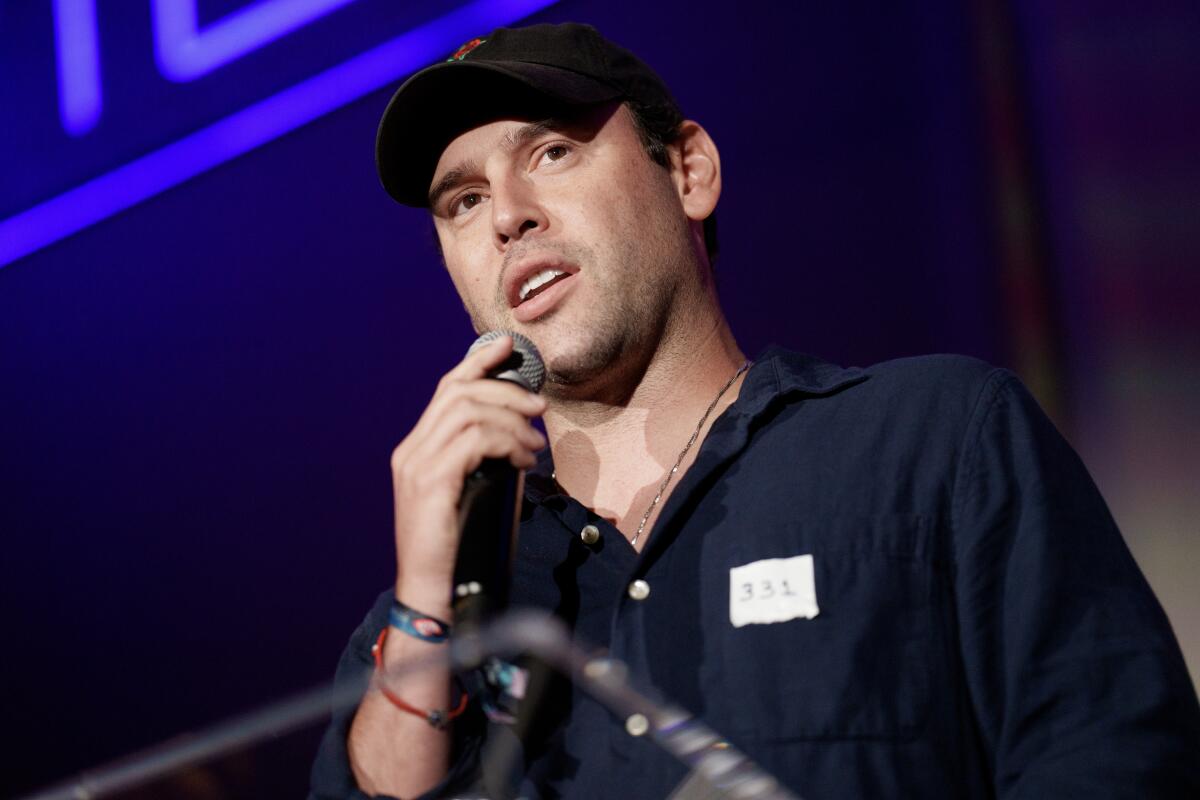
(612, 450)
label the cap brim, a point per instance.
(440, 102)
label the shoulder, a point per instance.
(909, 416)
(946, 386)
(937, 374)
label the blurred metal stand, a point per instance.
(718, 770)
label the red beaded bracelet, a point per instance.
(435, 717)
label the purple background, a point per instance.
(199, 395)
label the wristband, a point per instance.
(418, 625)
(436, 717)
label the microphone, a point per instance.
(489, 513)
(489, 508)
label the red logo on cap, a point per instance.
(461, 52)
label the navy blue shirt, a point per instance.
(981, 629)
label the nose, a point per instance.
(516, 212)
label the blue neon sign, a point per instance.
(78, 52)
(186, 51)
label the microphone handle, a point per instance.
(489, 512)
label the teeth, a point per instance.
(538, 279)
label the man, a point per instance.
(962, 617)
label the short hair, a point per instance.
(658, 127)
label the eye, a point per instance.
(555, 152)
(465, 203)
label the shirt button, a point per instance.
(637, 724)
(590, 534)
(639, 589)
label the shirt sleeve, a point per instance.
(1077, 683)
(332, 778)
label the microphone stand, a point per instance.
(727, 773)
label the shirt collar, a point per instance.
(797, 372)
(775, 373)
(779, 372)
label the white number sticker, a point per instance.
(772, 590)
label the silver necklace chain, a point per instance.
(675, 468)
(695, 434)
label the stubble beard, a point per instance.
(608, 340)
(610, 331)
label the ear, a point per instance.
(697, 167)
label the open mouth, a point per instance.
(539, 282)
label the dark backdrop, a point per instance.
(199, 394)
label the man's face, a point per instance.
(566, 232)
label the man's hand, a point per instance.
(470, 418)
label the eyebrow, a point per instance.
(513, 140)
(450, 180)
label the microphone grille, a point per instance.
(523, 366)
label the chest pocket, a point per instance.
(864, 665)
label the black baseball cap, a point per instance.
(535, 71)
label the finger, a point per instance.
(470, 448)
(438, 464)
(476, 365)
(498, 393)
(470, 413)
(443, 471)
(445, 413)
